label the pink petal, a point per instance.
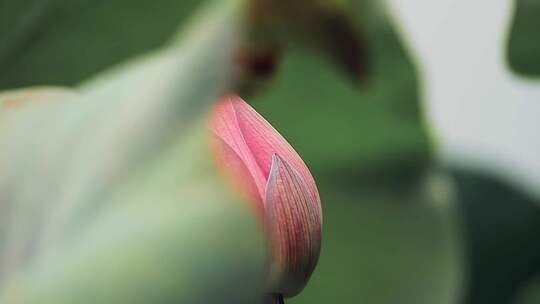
(263, 141)
(295, 221)
(236, 172)
(224, 124)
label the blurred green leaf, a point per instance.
(170, 232)
(388, 247)
(108, 195)
(59, 42)
(502, 226)
(524, 45)
(529, 292)
(134, 111)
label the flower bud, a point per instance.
(263, 166)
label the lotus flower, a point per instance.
(263, 166)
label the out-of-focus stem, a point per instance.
(274, 299)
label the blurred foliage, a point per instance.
(524, 45)
(347, 132)
(529, 293)
(62, 42)
(386, 247)
(385, 241)
(503, 237)
(154, 241)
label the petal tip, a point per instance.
(295, 225)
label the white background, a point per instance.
(481, 114)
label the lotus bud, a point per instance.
(267, 170)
